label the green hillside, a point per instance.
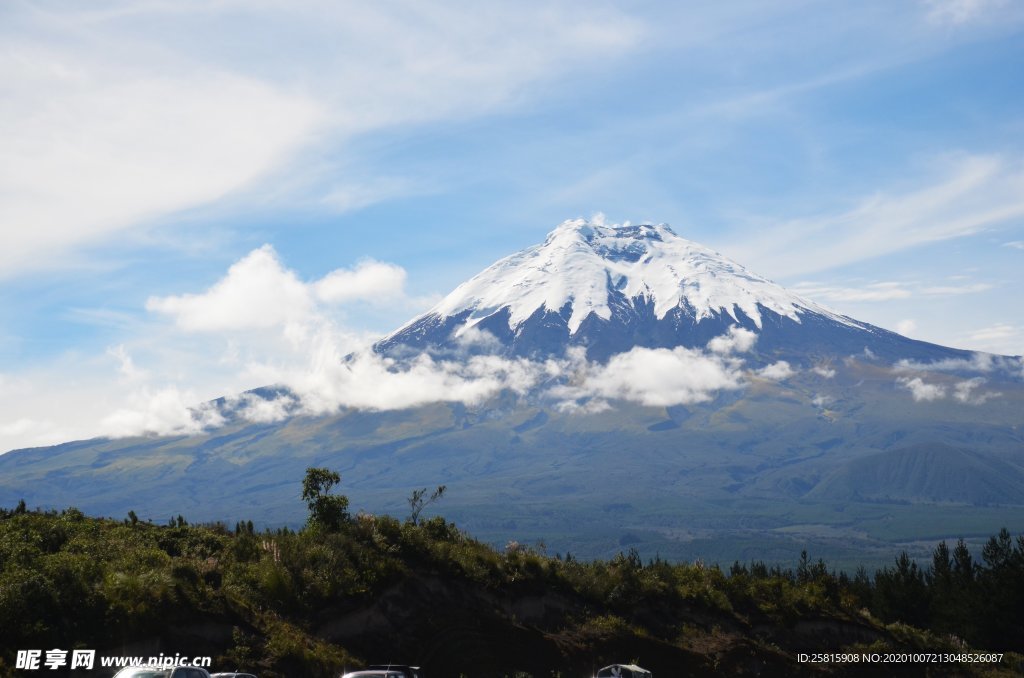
(349, 590)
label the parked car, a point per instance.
(162, 672)
(232, 674)
(623, 671)
(383, 673)
(406, 670)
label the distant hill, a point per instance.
(930, 472)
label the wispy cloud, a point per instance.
(977, 362)
(355, 195)
(91, 145)
(956, 12)
(884, 291)
(1004, 338)
(119, 114)
(879, 291)
(978, 192)
(965, 392)
(824, 371)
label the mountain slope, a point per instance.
(611, 288)
(726, 479)
(932, 472)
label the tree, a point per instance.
(946, 611)
(901, 593)
(963, 564)
(419, 501)
(326, 511)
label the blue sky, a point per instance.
(368, 157)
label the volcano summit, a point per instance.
(613, 288)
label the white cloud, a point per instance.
(591, 406)
(777, 371)
(370, 280)
(964, 391)
(280, 332)
(333, 378)
(656, 377)
(258, 292)
(978, 192)
(978, 362)
(168, 411)
(823, 371)
(260, 410)
(1015, 244)
(471, 336)
(921, 390)
(325, 374)
(906, 327)
(126, 366)
(19, 427)
(257, 325)
(736, 340)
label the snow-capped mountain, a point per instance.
(610, 288)
(814, 457)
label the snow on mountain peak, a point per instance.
(581, 261)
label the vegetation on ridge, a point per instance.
(352, 589)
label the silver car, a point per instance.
(161, 672)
